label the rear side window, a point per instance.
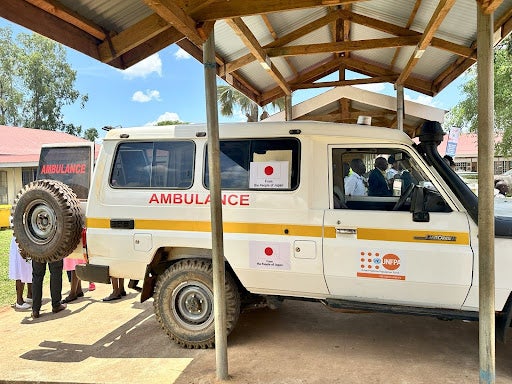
(160, 164)
(258, 164)
(70, 165)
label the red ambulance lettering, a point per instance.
(196, 199)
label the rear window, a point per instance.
(70, 165)
(161, 164)
(257, 164)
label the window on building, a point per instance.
(28, 175)
(258, 164)
(3, 187)
(161, 164)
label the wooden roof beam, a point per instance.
(234, 80)
(489, 6)
(274, 36)
(49, 25)
(250, 41)
(343, 46)
(57, 9)
(412, 16)
(340, 83)
(139, 33)
(437, 18)
(328, 67)
(174, 15)
(238, 8)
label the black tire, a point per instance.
(184, 303)
(47, 220)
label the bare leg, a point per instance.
(76, 285)
(121, 287)
(116, 290)
(29, 290)
(19, 292)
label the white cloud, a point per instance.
(373, 87)
(422, 99)
(166, 116)
(181, 54)
(144, 68)
(144, 97)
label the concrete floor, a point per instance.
(121, 342)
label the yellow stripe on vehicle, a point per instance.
(405, 235)
(229, 227)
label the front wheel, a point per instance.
(184, 303)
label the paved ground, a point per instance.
(121, 342)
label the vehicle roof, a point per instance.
(264, 130)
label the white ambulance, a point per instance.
(402, 244)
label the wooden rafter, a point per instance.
(274, 36)
(437, 18)
(138, 34)
(174, 15)
(245, 34)
(412, 16)
(340, 83)
(343, 46)
(58, 10)
(48, 24)
(238, 8)
(489, 6)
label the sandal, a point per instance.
(68, 299)
(111, 297)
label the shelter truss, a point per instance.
(268, 49)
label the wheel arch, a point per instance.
(165, 257)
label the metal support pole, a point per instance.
(486, 197)
(288, 107)
(400, 107)
(219, 293)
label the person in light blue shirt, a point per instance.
(354, 183)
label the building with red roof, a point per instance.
(19, 156)
(466, 154)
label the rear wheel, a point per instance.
(184, 303)
(47, 220)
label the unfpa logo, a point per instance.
(390, 261)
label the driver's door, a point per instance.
(381, 255)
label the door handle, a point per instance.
(346, 231)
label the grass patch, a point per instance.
(7, 287)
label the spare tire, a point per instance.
(47, 220)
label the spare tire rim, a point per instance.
(40, 222)
(192, 305)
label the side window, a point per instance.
(377, 179)
(250, 164)
(161, 164)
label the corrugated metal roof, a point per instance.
(169, 22)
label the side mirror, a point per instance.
(419, 214)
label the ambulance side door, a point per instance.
(373, 253)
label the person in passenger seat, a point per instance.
(377, 183)
(354, 183)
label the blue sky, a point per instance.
(169, 85)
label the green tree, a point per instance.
(36, 82)
(465, 113)
(90, 134)
(10, 94)
(228, 97)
